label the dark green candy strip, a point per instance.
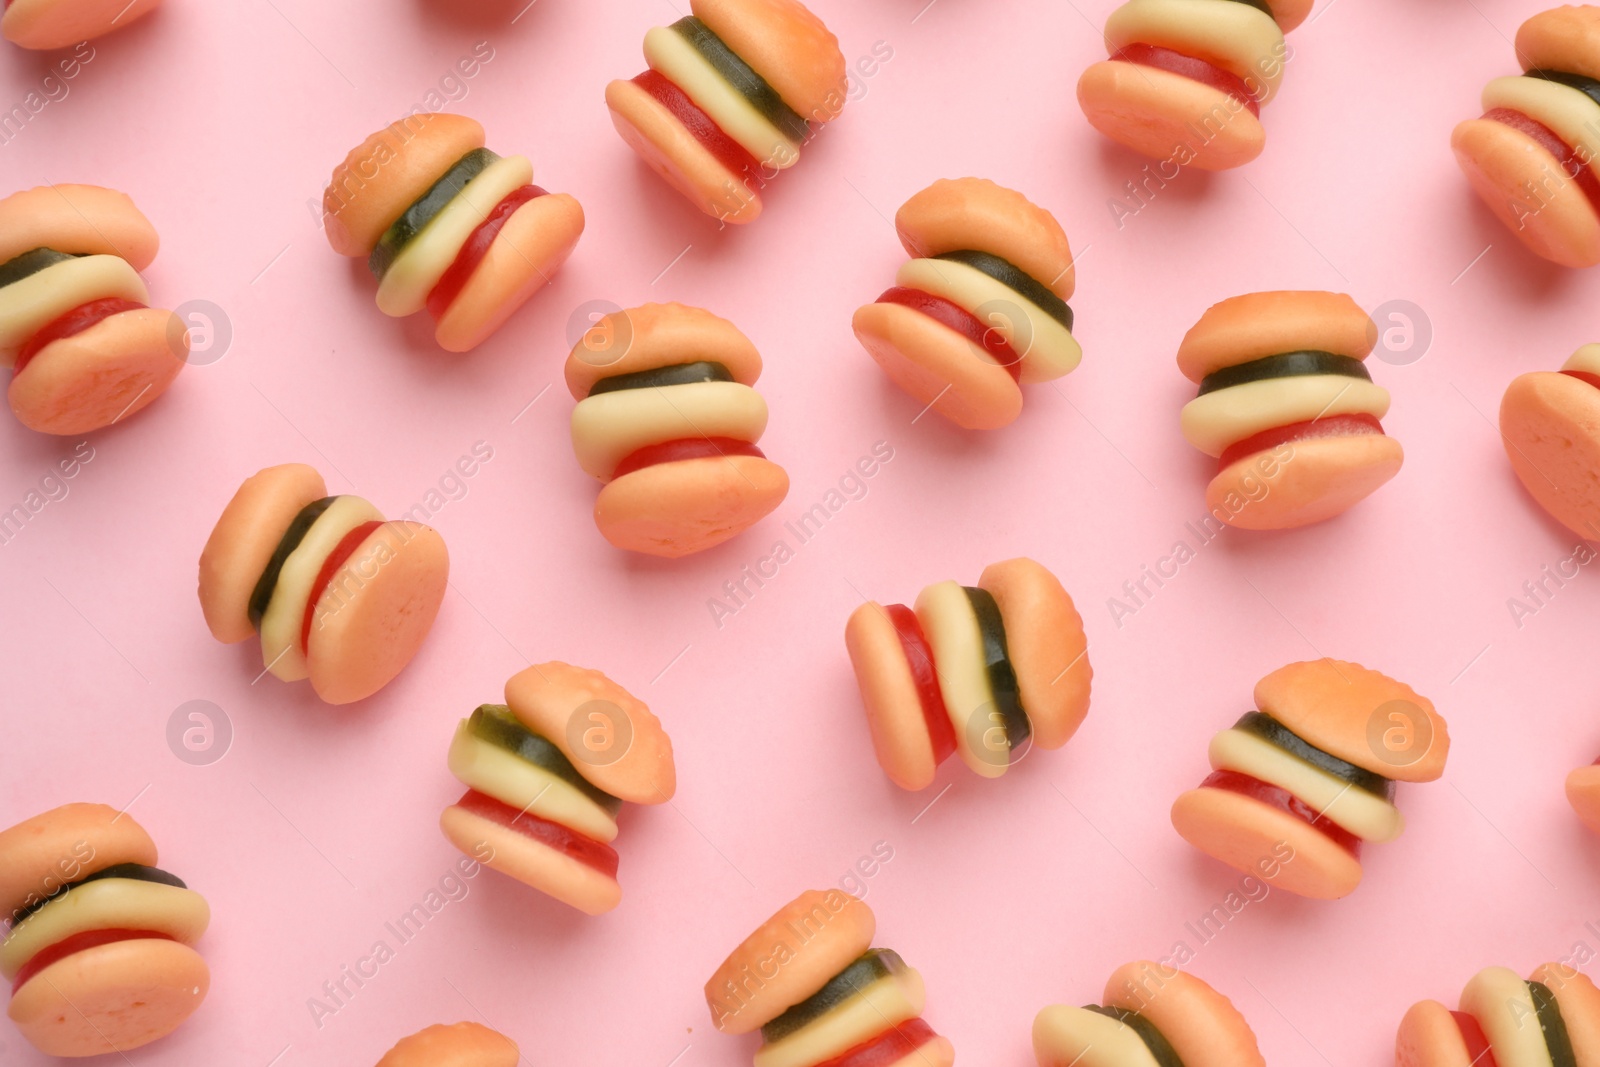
(1284, 365)
(677, 374)
(1002, 675)
(745, 81)
(1161, 1049)
(1015, 279)
(262, 595)
(1584, 84)
(31, 262)
(423, 210)
(137, 872)
(496, 725)
(1275, 733)
(1553, 1025)
(875, 965)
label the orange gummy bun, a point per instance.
(336, 594)
(668, 421)
(457, 1045)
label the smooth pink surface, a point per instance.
(319, 825)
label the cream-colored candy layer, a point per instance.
(106, 904)
(29, 305)
(954, 636)
(1241, 39)
(419, 266)
(528, 787)
(669, 53)
(286, 611)
(890, 1001)
(1503, 1006)
(606, 429)
(1569, 114)
(1366, 816)
(1586, 359)
(1065, 1035)
(1048, 349)
(1216, 420)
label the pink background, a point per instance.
(318, 825)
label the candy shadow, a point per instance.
(500, 16)
(712, 564)
(654, 199)
(130, 39)
(1515, 270)
(412, 335)
(662, 200)
(31, 454)
(1586, 846)
(1243, 547)
(513, 913)
(1279, 908)
(772, 188)
(1150, 177)
(933, 434)
(1560, 536)
(289, 699)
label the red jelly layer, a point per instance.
(80, 943)
(75, 321)
(455, 279)
(1150, 55)
(919, 655)
(961, 321)
(1571, 164)
(341, 552)
(728, 152)
(684, 448)
(1584, 376)
(888, 1048)
(1284, 801)
(569, 843)
(1479, 1054)
(1331, 426)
